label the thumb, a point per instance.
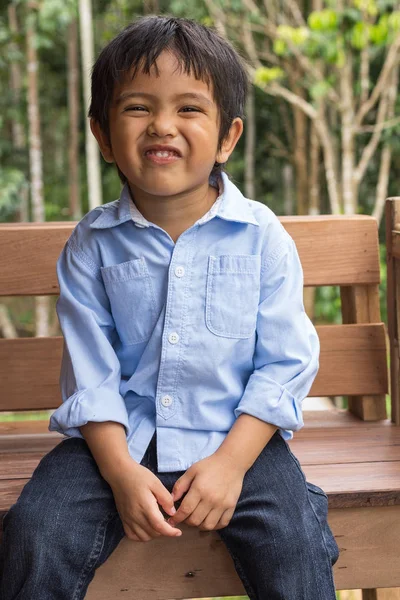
(164, 498)
(182, 485)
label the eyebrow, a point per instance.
(193, 95)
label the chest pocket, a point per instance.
(232, 296)
(132, 299)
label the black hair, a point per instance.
(203, 52)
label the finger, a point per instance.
(211, 520)
(225, 518)
(130, 534)
(182, 485)
(141, 533)
(157, 523)
(163, 497)
(188, 505)
(198, 515)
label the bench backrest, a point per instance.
(334, 250)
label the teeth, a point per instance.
(162, 153)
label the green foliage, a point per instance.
(360, 35)
(12, 181)
(327, 298)
(265, 75)
(323, 20)
(319, 89)
(368, 7)
(296, 35)
(328, 305)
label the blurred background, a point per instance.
(321, 129)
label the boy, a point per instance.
(187, 349)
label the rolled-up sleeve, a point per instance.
(90, 370)
(286, 357)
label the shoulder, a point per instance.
(84, 239)
(275, 238)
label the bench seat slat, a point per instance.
(197, 564)
(340, 460)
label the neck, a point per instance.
(176, 213)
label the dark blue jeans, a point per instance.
(65, 524)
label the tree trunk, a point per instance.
(347, 133)
(386, 156)
(17, 131)
(35, 154)
(73, 113)
(92, 150)
(288, 188)
(250, 145)
(151, 7)
(315, 191)
(300, 154)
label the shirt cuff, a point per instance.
(88, 405)
(271, 402)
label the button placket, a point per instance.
(175, 315)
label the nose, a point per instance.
(161, 125)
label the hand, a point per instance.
(137, 493)
(215, 485)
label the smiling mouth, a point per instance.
(162, 153)
(161, 157)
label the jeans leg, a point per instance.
(279, 538)
(63, 526)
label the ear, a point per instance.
(102, 140)
(228, 145)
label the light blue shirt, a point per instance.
(183, 337)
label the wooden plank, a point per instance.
(336, 445)
(359, 484)
(197, 565)
(360, 304)
(336, 417)
(29, 372)
(357, 352)
(392, 216)
(357, 467)
(29, 253)
(328, 246)
(367, 539)
(28, 444)
(24, 427)
(395, 236)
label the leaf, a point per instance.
(360, 35)
(323, 20)
(280, 47)
(265, 75)
(319, 89)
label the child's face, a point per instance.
(159, 113)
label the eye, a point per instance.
(136, 108)
(191, 108)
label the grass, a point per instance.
(32, 415)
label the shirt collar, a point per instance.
(230, 205)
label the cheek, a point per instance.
(204, 136)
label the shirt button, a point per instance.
(173, 338)
(166, 400)
(179, 271)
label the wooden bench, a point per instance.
(354, 455)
